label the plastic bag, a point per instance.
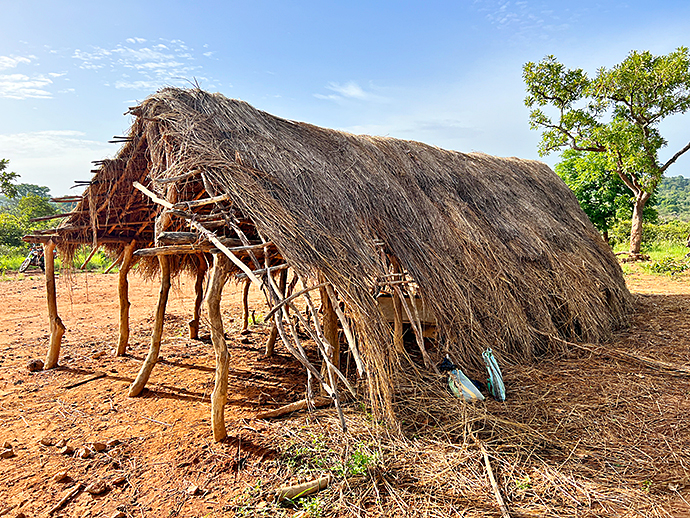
(461, 386)
(495, 381)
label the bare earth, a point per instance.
(166, 447)
(163, 461)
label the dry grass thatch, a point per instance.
(497, 247)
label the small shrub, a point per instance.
(669, 266)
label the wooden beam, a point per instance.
(174, 250)
(189, 249)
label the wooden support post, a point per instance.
(219, 396)
(199, 291)
(123, 292)
(245, 305)
(57, 328)
(330, 331)
(270, 344)
(154, 350)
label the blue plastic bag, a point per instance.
(495, 381)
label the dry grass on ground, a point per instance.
(600, 432)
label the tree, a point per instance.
(601, 194)
(6, 178)
(34, 206)
(617, 114)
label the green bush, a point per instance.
(669, 266)
(11, 257)
(11, 230)
(671, 231)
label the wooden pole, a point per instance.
(57, 328)
(123, 292)
(270, 344)
(330, 331)
(245, 306)
(86, 261)
(219, 396)
(154, 349)
(199, 291)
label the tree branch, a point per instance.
(675, 157)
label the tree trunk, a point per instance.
(641, 199)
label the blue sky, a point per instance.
(446, 73)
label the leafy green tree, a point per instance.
(673, 197)
(11, 230)
(34, 206)
(616, 113)
(6, 178)
(602, 195)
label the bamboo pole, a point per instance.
(219, 396)
(199, 291)
(154, 349)
(122, 290)
(57, 328)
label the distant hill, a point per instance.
(673, 198)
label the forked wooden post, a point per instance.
(57, 328)
(123, 292)
(270, 344)
(219, 396)
(199, 291)
(245, 305)
(154, 350)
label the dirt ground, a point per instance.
(159, 458)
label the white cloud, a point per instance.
(168, 62)
(349, 90)
(20, 86)
(53, 158)
(11, 62)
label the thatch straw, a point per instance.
(499, 247)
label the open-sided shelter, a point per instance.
(497, 249)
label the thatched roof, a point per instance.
(498, 247)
